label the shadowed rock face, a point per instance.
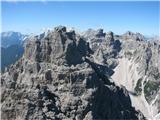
(59, 77)
(58, 47)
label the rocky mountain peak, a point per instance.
(91, 33)
(63, 75)
(57, 47)
(133, 36)
(99, 33)
(60, 29)
(110, 36)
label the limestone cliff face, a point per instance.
(68, 76)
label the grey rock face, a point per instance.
(59, 47)
(58, 77)
(133, 36)
(72, 93)
(94, 37)
(133, 47)
(146, 54)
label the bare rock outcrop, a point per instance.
(58, 78)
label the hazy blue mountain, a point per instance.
(10, 55)
(12, 46)
(11, 38)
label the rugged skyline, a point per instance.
(32, 17)
(94, 75)
(84, 60)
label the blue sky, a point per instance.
(32, 17)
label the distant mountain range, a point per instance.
(11, 38)
(10, 55)
(11, 47)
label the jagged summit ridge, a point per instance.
(63, 75)
(59, 47)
